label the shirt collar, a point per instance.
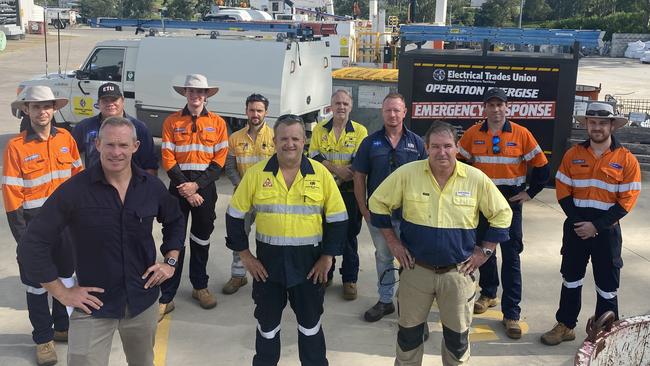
(460, 169)
(97, 174)
(32, 135)
(507, 127)
(614, 145)
(186, 111)
(273, 165)
(330, 124)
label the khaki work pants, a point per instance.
(454, 292)
(90, 338)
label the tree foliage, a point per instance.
(181, 9)
(100, 8)
(536, 10)
(498, 13)
(138, 8)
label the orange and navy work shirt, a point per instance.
(33, 169)
(507, 165)
(602, 189)
(194, 143)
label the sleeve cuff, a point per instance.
(237, 239)
(380, 221)
(497, 235)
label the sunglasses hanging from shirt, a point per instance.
(495, 144)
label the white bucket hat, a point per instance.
(37, 93)
(602, 111)
(197, 81)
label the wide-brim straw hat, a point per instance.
(196, 81)
(602, 111)
(37, 93)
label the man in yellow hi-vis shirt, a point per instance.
(334, 143)
(440, 200)
(291, 195)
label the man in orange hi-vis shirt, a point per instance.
(504, 150)
(35, 163)
(597, 184)
(194, 150)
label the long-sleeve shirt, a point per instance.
(243, 152)
(439, 223)
(112, 240)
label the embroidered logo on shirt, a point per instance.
(376, 143)
(210, 129)
(179, 129)
(616, 165)
(324, 138)
(64, 149)
(578, 161)
(479, 142)
(32, 157)
(267, 183)
(411, 145)
(511, 144)
(463, 194)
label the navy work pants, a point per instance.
(605, 253)
(350, 268)
(510, 266)
(306, 300)
(202, 226)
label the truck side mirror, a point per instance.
(82, 75)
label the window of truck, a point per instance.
(105, 64)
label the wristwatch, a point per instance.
(171, 261)
(487, 252)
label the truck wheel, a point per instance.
(57, 24)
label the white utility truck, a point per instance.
(294, 74)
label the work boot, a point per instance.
(165, 309)
(349, 290)
(378, 311)
(483, 303)
(206, 299)
(61, 336)
(234, 284)
(557, 335)
(46, 354)
(513, 330)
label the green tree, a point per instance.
(100, 8)
(138, 9)
(181, 9)
(203, 7)
(536, 10)
(344, 7)
(498, 13)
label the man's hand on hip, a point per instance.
(80, 297)
(474, 262)
(402, 254)
(160, 272)
(253, 265)
(318, 273)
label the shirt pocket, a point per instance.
(612, 175)
(416, 208)
(512, 151)
(478, 149)
(34, 168)
(266, 196)
(65, 161)
(313, 197)
(208, 136)
(465, 205)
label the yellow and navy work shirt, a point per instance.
(507, 165)
(598, 189)
(325, 146)
(289, 221)
(439, 224)
(248, 152)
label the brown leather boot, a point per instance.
(513, 329)
(233, 285)
(206, 299)
(560, 333)
(349, 291)
(164, 309)
(483, 303)
(46, 354)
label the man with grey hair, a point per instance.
(109, 210)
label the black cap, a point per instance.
(497, 93)
(109, 90)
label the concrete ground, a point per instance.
(225, 335)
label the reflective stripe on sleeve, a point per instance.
(248, 159)
(219, 146)
(531, 155)
(509, 181)
(168, 146)
(464, 153)
(12, 181)
(77, 163)
(337, 156)
(233, 212)
(314, 153)
(34, 203)
(337, 217)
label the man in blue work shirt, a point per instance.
(111, 104)
(109, 210)
(379, 155)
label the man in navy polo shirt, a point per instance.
(379, 155)
(111, 104)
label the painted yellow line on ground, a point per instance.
(482, 333)
(162, 338)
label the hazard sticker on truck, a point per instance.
(83, 106)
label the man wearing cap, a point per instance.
(194, 150)
(504, 151)
(36, 162)
(300, 226)
(111, 104)
(334, 143)
(246, 147)
(597, 184)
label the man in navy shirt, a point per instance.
(111, 104)
(380, 154)
(109, 210)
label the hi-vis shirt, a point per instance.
(289, 221)
(599, 189)
(439, 224)
(518, 150)
(33, 169)
(248, 152)
(325, 146)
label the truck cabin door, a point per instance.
(104, 65)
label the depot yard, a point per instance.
(225, 335)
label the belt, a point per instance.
(436, 269)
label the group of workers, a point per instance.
(440, 218)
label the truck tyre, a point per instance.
(58, 24)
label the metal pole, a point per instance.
(58, 38)
(45, 35)
(521, 11)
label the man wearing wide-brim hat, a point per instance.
(597, 184)
(36, 162)
(194, 150)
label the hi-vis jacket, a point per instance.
(194, 148)
(33, 169)
(439, 224)
(508, 167)
(325, 146)
(598, 189)
(247, 152)
(289, 221)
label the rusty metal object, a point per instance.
(616, 343)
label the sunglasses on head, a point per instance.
(290, 117)
(599, 113)
(495, 144)
(257, 98)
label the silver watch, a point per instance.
(487, 252)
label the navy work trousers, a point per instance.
(350, 268)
